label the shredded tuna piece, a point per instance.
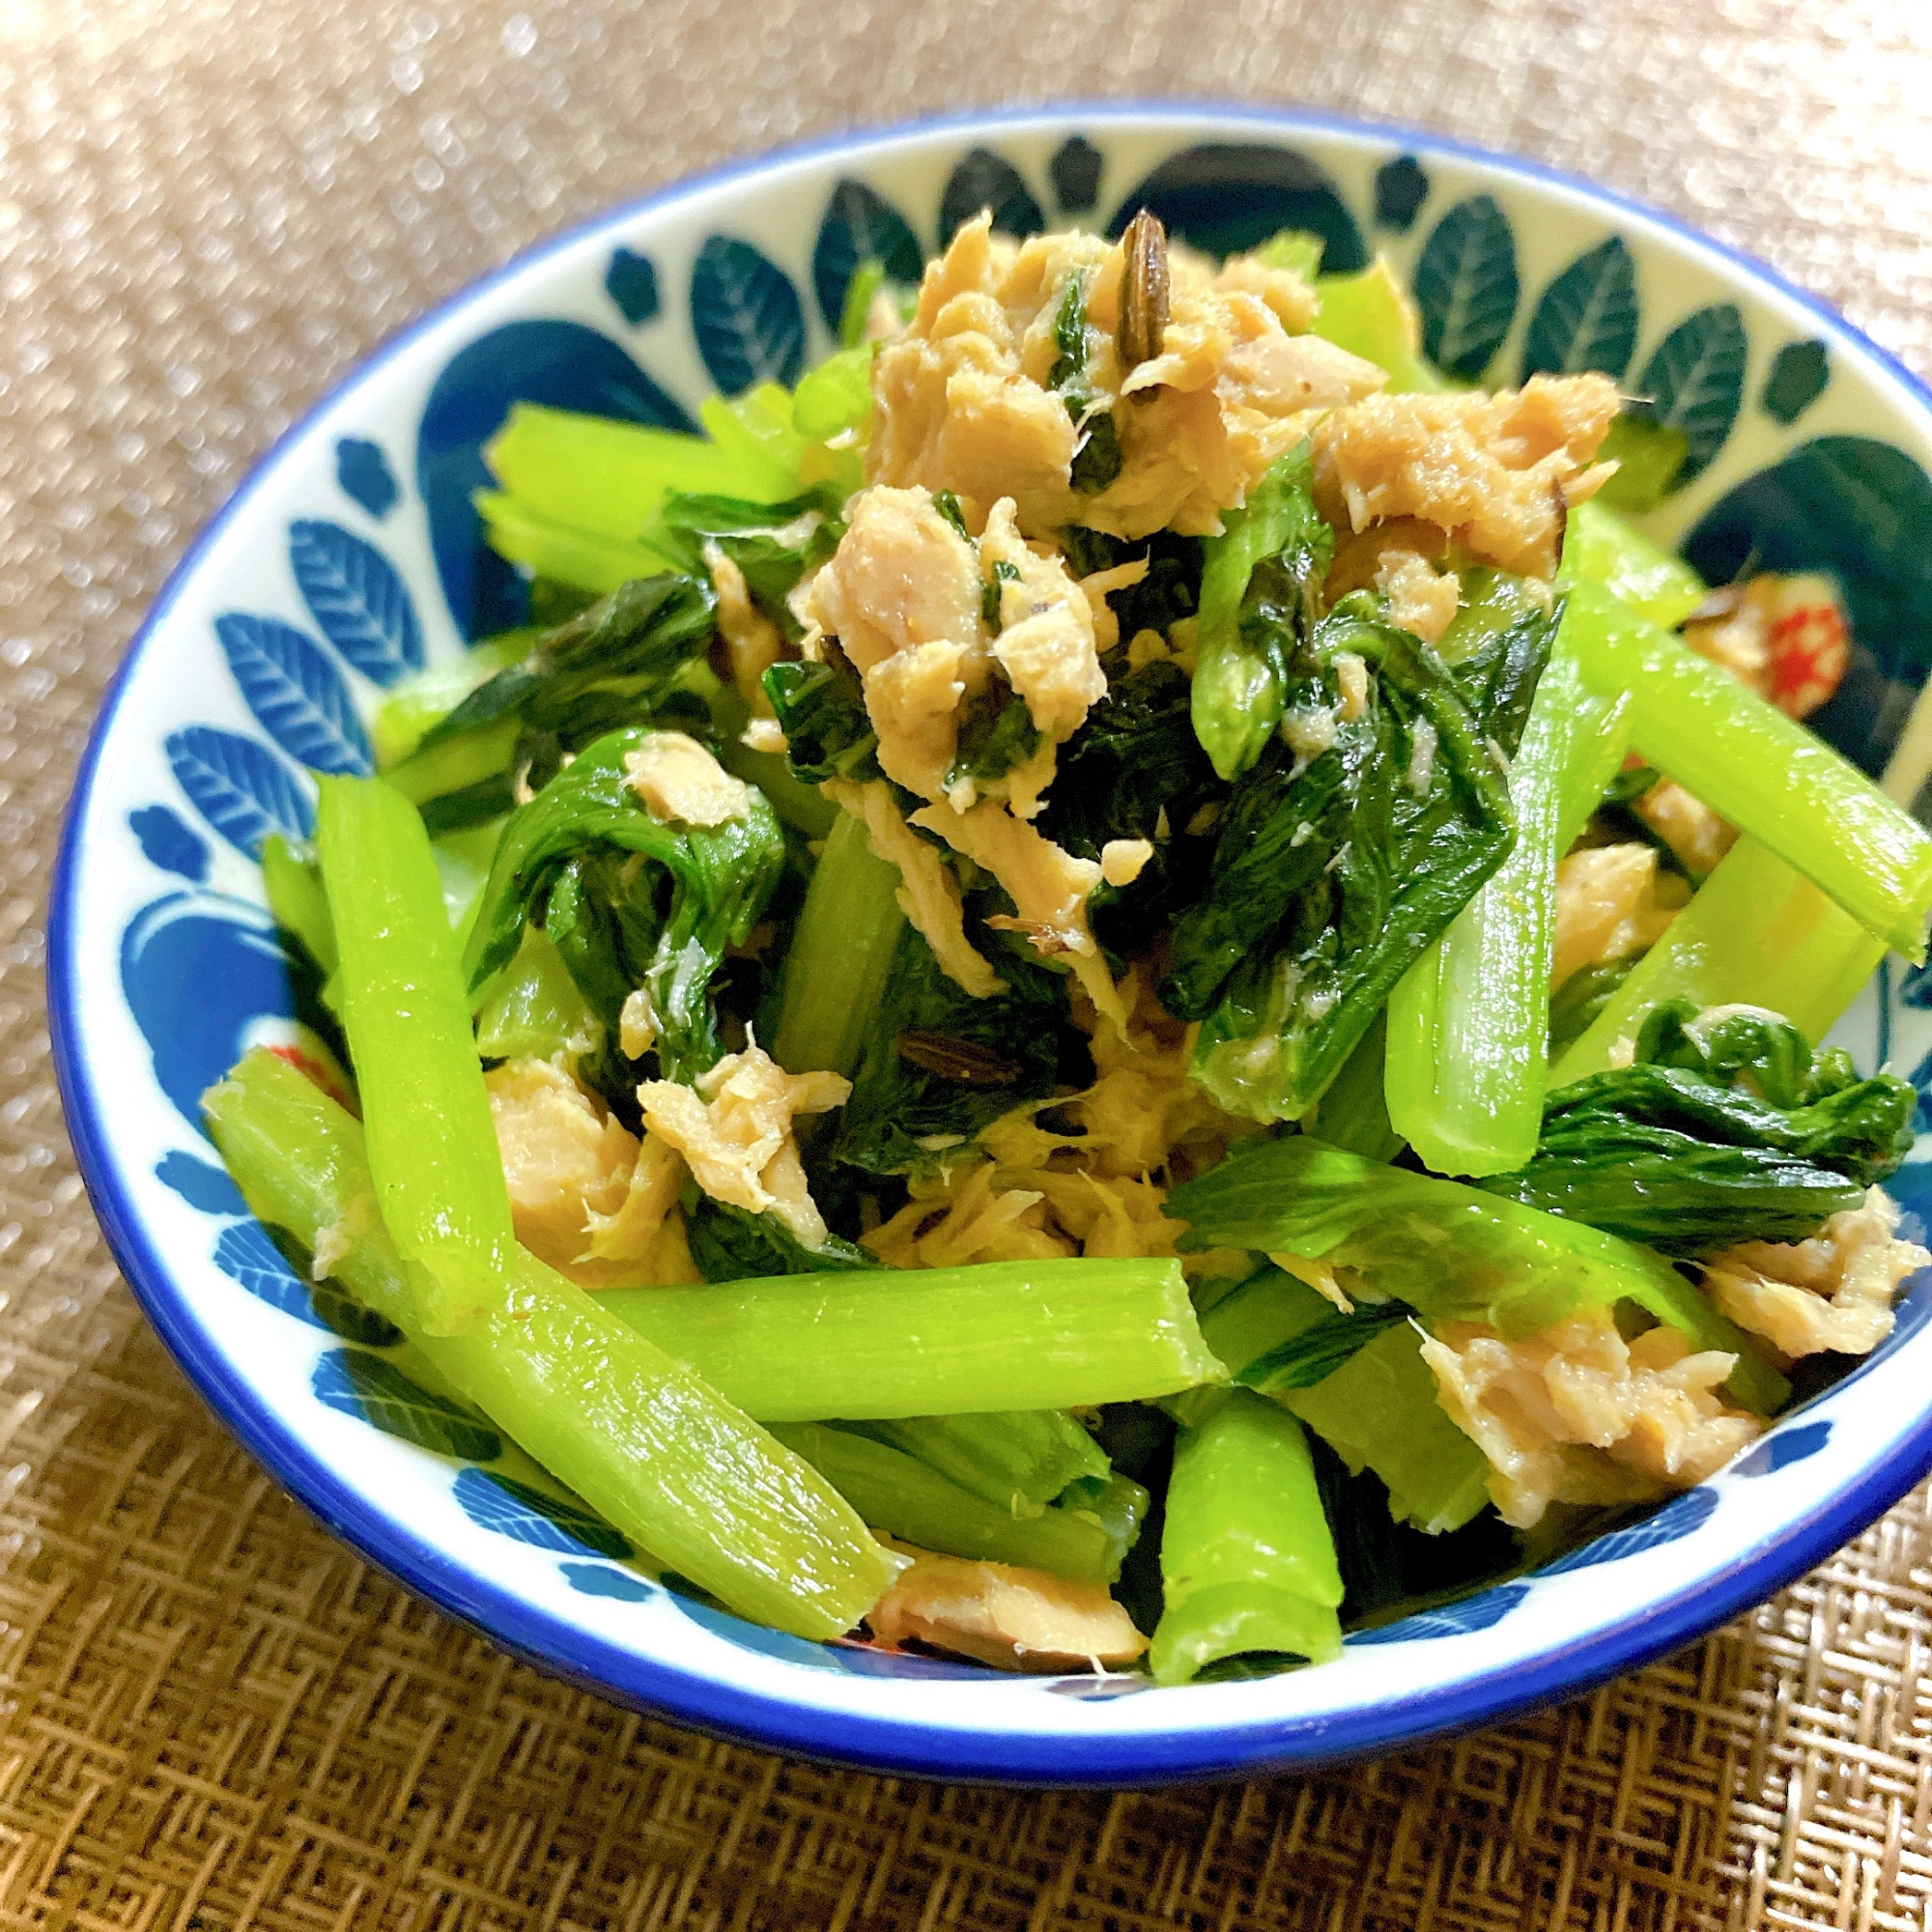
(763, 734)
(1123, 860)
(1611, 901)
(584, 1196)
(637, 1024)
(1011, 1619)
(1829, 1294)
(753, 642)
(1574, 1415)
(735, 1133)
(1493, 472)
(1099, 587)
(962, 403)
(1691, 830)
(1049, 888)
(682, 783)
(929, 894)
(1046, 644)
(1325, 1280)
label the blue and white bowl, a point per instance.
(351, 555)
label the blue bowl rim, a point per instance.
(1009, 1757)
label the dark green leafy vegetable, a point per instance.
(1315, 1354)
(735, 1244)
(1261, 584)
(1575, 1005)
(1716, 1134)
(1169, 591)
(695, 890)
(1096, 462)
(822, 709)
(996, 733)
(773, 544)
(941, 1065)
(608, 666)
(1334, 869)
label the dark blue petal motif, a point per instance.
(1402, 186)
(1225, 199)
(984, 180)
(563, 366)
(631, 281)
(515, 1509)
(1076, 174)
(746, 316)
(356, 595)
(1798, 378)
(363, 472)
(1473, 1613)
(295, 692)
(1785, 1447)
(600, 1579)
(240, 786)
(200, 1184)
(200, 974)
(860, 225)
(168, 843)
(1588, 317)
(1676, 1519)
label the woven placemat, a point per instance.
(211, 1714)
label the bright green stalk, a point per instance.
(835, 396)
(1755, 934)
(521, 532)
(1117, 1504)
(1238, 695)
(1448, 1251)
(533, 1009)
(1377, 1411)
(756, 433)
(1247, 1564)
(405, 1008)
(296, 900)
(1761, 770)
(610, 478)
(1018, 1460)
(1056, 1334)
(1600, 548)
(409, 709)
(1592, 758)
(456, 763)
(637, 1435)
(801, 805)
(1469, 1024)
(907, 1498)
(1354, 1111)
(841, 956)
(1369, 316)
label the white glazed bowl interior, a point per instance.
(348, 555)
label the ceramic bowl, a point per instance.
(351, 555)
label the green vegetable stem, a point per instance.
(432, 1146)
(1020, 1460)
(637, 1435)
(1247, 1564)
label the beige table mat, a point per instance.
(211, 1715)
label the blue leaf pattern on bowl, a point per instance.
(247, 1256)
(745, 315)
(355, 595)
(631, 281)
(1799, 375)
(547, 1523)
(1467, 286)
(296, 693)
(1676, 1519)
(372, 1388)
(1402, 186)
(1479, 1612)
(198, 973)
(363, 472)
(1225, 199)
(241, 787)
(983, 180)
(1076, 172)
(1586, 318)
(600, 1579)
(860, 225)
(1694, 381)
(168, 843)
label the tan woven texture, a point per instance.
(213, 1716)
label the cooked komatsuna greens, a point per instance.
(1118, 987)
